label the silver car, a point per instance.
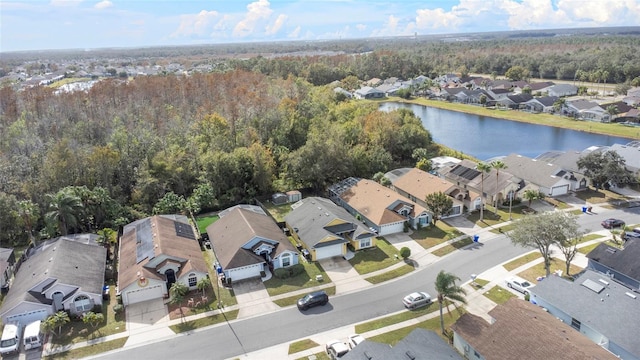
(416, 300)
(519, 284)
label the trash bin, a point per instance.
(584, 209)
(475, 238)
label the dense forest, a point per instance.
(84, 161)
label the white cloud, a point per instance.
(295, 33)
(103, 4)
(196, 24)
(437, 19)
(257, 12)
(275, 27)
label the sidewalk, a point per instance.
(478, 304)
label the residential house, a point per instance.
(442, 161)
(496, 185)
(378, 206)
(61, 274)
(561, 90)
(248, 243)
(620, 265)
(615, 108)
(367, 92)
(339, 90)
(567, 160)
(540, 87)
(499, 93)
(325, 229)
(542, 104)
(7, 267)
(629, 152)
(596, 306)
(373, 82)
(631, 116)
(521, 330)
(156, 252)
(420, 344)
(549, 179)
(417, 184)
(586, 110)
(514, 101)
(389, 89)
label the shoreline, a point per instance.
(612, 129)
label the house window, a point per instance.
(286, 260)
(82, 303)
(365, 243)
(575, 324)
(193, 280)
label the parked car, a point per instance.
(519, 284)
(612, 223)
(354, 340)
(313, 299)
(631, 235)
(336, 349)
(10, 341)
(416, 300)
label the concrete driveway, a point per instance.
(343, 275)
(253, 298)
(147, 321)
(400, 240)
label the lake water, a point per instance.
(486, 137)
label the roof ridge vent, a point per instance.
(630, 295)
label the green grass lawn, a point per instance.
(204, 221)
(393, 337)
(296, 347)
(376, 258)
(599, 197)
(396, 318)
(587, 249)
(525, 259)
(306, 279)
(205, 321)
(277, 211)
(227, 297)
(392, 274)
(431, 236)
(453, 246)
(498, 295)
(489, 217)
(536, 271)
(90, 350)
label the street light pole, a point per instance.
(510, 203)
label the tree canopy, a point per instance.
(605, 168)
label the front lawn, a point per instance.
(396, 318)
(601, 196)
(296, 347)
(393, 337)
(306, 279)
(86, 351)
(379, 257)
(525, 259)
(431, 236)
(453, 246)
(205, 321)
(490, 218)
(533, 273)
(277, 211)
(498, 295)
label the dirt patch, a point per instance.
(193, 303)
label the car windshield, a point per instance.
(525, 284)
(306, 298)
(7, 343)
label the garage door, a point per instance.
(391, 228)
(28, 317)
(560, 190)
(148, 293)
(245, 272)
(328, 251)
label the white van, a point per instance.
(32, 336)
(10, 341)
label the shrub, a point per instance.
(527, 297)
(405, 252)
(296, 270)
(406, 227)
(118, 308)
(281, 273)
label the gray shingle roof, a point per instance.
(420, 344)
(623, 261)
(63, 259)
(610, 312)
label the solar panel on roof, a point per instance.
(184, 230)
(144, 241)
(593, 286)
(465, 172)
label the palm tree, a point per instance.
(483, 168)
(497, 165)
(177, 291)
(531, 195)
(203, 284)
(612, 110)
(447, 289)
(64, 209)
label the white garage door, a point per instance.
(560, 190)
(391, 228)
(144, 294)
(245, 272)
(328, 251)
(28, 317)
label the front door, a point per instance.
(170, 275)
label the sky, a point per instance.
(90, 24)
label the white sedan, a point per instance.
(416, 300)
(519, 284)
(354, 340)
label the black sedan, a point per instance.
(613, 223)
